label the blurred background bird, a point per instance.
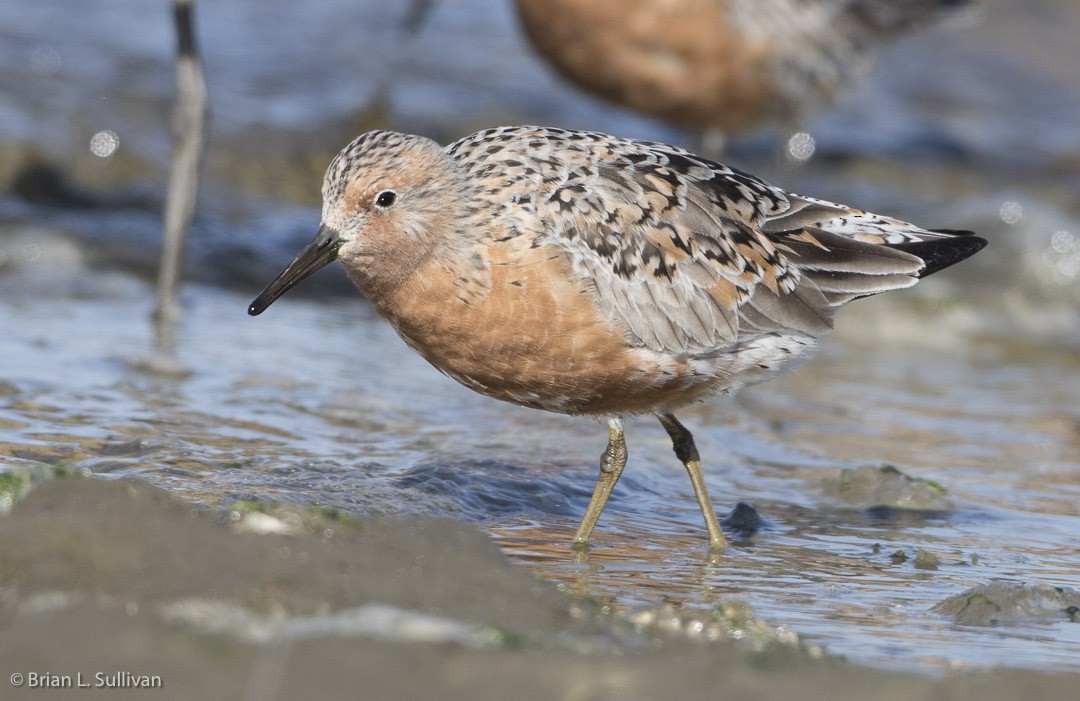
(720, 66)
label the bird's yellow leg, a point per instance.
(683, 442)
(612, 463)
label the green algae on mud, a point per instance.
(1011, 604)
(18, 477)
(867, 487)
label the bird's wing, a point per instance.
(691, 256)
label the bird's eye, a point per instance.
(385, 199)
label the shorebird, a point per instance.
(586, 274)
(722, 66)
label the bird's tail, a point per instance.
(939, 252)
(848, 253)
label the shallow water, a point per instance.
(321, 403)
(969, 381)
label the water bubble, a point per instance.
(1062, 256)
(1011, 212)
(45, 60)
(104, 143)
(31, 252)
(1062, 241)
(800, 146)
(1067, 270)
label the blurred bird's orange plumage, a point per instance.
(723, 65)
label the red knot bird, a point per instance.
(587, 274)
(718, 65)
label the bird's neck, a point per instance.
(392, 279)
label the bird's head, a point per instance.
(388, 201)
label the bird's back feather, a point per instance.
(691, 255)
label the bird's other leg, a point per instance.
(190, 116)
(612, 463)
(683, 442)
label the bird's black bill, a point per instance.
(322, 250)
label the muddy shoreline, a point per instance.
(120, 578)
